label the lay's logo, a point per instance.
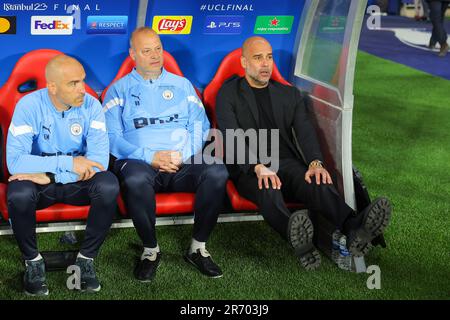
(51, 25)
(172, 24)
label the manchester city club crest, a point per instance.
(167, 95)
(76, 129)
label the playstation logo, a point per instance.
(223, 25)
(212, 25)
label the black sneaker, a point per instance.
(34, 278)
(145, 270)
(89, 281)
(375, 219)
(201, 259)
(300, 236)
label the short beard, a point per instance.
(259, 82)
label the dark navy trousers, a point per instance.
(140, 182)
(437, 17)
(25, 197)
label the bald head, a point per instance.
(65, 82)
(142, 32)
(257, 61)
(60, 65)
(146, 50)
(251, 42)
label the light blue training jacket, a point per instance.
(146, 116)
(43, 139)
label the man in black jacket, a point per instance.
(254, 102)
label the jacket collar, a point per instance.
(249, 96)
(139, 78)
(276, 102)
(52, 107)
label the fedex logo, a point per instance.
(56, 24)
(51, 25)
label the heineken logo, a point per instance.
(273, 24)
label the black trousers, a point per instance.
(437, 17)
(140, 182)
(319, 199)
(25, 197)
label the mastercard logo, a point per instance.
(4, 25)
(7, 25)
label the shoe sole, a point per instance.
(36, 294)
(301, 231)
(186, 258)
(376, 222)
(90, 290)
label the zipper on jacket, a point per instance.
(70, 107)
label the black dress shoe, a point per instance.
(202, 260)
(300, 236)
(145, 270)
(375, 219)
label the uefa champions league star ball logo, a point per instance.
(76, 129)
(167, 95)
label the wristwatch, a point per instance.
(51, 176)
(315, 164)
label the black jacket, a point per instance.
(236, 108)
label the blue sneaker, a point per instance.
(89, 281)
(34, 278)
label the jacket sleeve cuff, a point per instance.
(66, 177)
(148, 155)
(65, 163)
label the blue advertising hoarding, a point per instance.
(197, 33)
(200, 52)
(62, 25)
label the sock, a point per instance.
(196, 245)
(38, 257)
(149, 252)
(83, 257)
